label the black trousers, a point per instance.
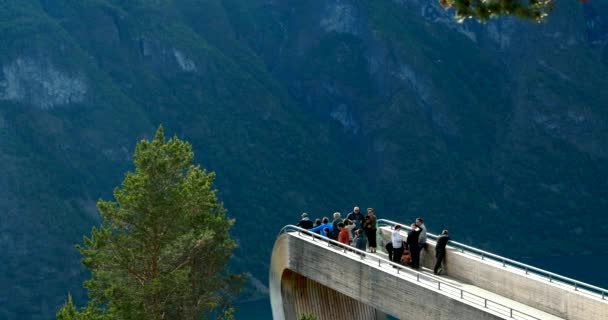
(439, 256)
(371, 237)
(389, 250)
(415, 253)
(397, 253)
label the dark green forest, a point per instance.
(497, 130)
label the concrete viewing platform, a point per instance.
(310, 274)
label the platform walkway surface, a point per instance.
(466, 293)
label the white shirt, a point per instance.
(350, 228)
(397, 239)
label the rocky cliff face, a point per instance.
(40, 85)
(495, 131)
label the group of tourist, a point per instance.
(346, 230)
(359, 230)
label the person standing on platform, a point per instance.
(305, 223)
(422, 239)
(397, 242)
(326, 233)
(350, 226)
(413, 245)
(334, 226)
(356, 216)
(369, 226)
(359, 240)
(317, 223)
(321, 228)
(442, 242)
(344, 234)
(389, 249)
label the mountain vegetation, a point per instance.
(485, 9)
(496, 131)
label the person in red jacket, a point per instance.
(344, 235)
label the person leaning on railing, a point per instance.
(317, 223)
(422, 238)
(442, 242)
(305, 223)
(321, 228)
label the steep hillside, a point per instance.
(497, 131)
(476, 126)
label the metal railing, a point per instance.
(506, 262)
(420, 277)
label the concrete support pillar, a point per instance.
(304, 296)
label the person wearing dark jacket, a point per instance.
(357, 217)
(317, 223)
(305, 223)
(442, 242)
(335, 231)
(369, 226)
(360, 241)
(412, 244)
(389, 249)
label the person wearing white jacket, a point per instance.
(397, 241)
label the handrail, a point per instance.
(487, 303)
(552, 277)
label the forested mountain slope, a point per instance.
(497, 131)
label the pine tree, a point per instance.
(164, 244)
(68, 311)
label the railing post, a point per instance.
(526, 270)
(603, 294)
(378, 262)
(418, 277)
(575, 286)
(504, 265)
(550, 278)
(482, 255)
(461, 294)
(485, 303)
(439, 285)
(511, 312)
